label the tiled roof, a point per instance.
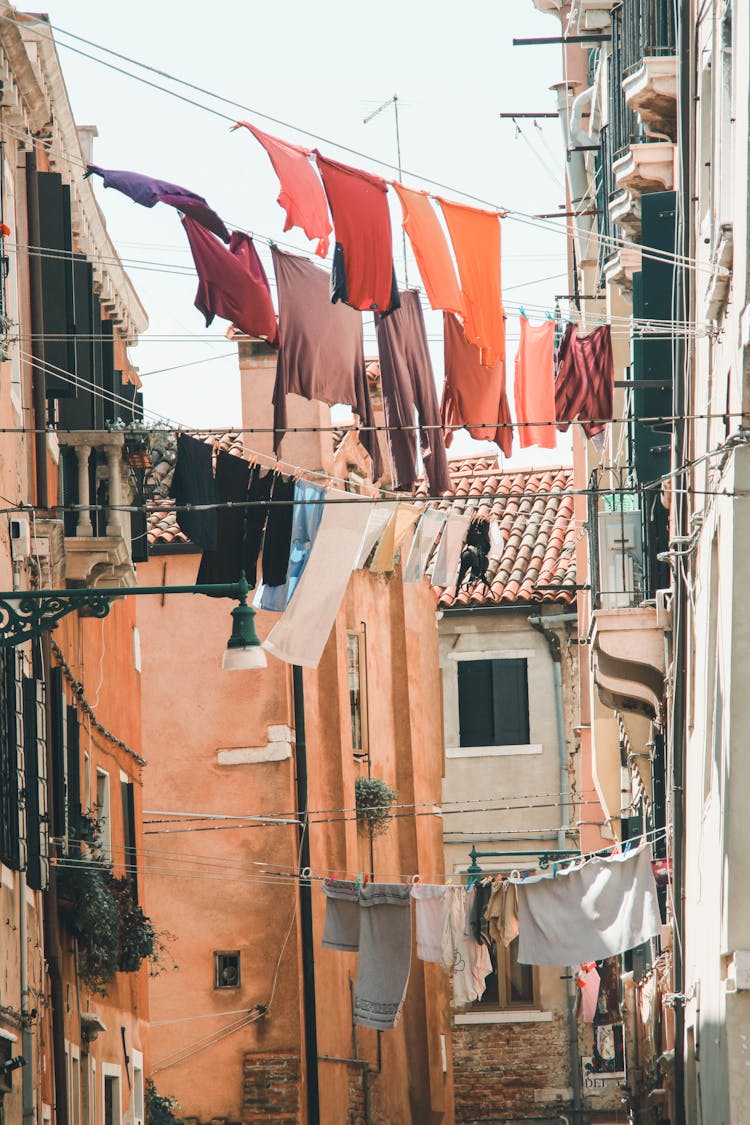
(162, 519)
(535, 561)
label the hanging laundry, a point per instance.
(321, 355)
(585, 384)
(534, 388)
(408, 385)
(341, 927)
(239, 530)
(502, 913)
(384, 954)
(475, 555)
(467, 960)
(587, 979)
(448, 557)
(149, 191)
(301, 194)
(431, 250)
(232, 283)
(193, 483)
(301, 634)
(425, 536)
(306, 519)
(277, 536)
(224, 563)
(608, 1008)
(473, 393)
(363, 274)
(402, 520)
(380, 517)
(604, 907)
(475, 236)
(431, 911)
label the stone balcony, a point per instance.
(95, 559)
(642, 169)
(651, 92)
(591, 15)
(627, 651)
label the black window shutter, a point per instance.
(510, 702)
(128, 821)
(57, 283)
(475, 703)
(74, 776)
(57, 734)
(31, 785)
(9, 818)
(111, 387)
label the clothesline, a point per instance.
(510, 212)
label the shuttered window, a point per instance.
(493, 702)
(73, 759)
(128, 825)
(35, 784)
(10, 828)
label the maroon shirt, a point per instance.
(585, 383)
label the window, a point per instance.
(511, 984)
(138, 1105)
(356, 663)
(35, 783)
(103, 811)
(10, 710)
(128, 821)
(227, 970)
(112, 1096)
(493, 702)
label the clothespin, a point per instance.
(522, 312)
(358, 883)
(548, 316)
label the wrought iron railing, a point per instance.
(624, 126)
(649, 29)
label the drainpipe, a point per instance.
(579, 183)
(305, 903)
(52, 944)
(542, 625)
(27, 1039)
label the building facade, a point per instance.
(73, 1003)
(257, 1002)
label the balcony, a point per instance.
(650, 64)
(627, 652)
(591, 15)
(640, 170)
(98, 545)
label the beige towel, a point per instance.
(299, 637)
(405, 516)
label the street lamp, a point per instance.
(25, 614)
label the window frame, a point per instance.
(455, 749)
(356, 639)
(104, 812)
(112, 1071)
(218, 953)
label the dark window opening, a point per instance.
(227, 970)
(493, 702)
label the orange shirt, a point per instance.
(472, 393)
(534, 387)
(301, 194)
(431, 249)
(475, 236)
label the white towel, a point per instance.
(595, 911)
(431, 909)
(380, 517)
(448, 558)
(299, 637)
(427, 532)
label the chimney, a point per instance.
(86, 134)
(310, 450)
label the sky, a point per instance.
(321, 67)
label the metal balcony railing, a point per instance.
(649, 28)
(624, 127)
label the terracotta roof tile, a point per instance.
(535, 559)
(162, 519)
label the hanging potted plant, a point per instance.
(374, 801)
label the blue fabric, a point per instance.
(305, 524)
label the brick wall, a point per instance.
(510, 1069)
(271, 1088)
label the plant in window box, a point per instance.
(374, 800)
(138, 939)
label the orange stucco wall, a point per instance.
(206, 887)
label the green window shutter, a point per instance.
(10, 829)
(128, 822)
(59, 754)
(74, 776)
(510, 702)
(31, 785)
(475, 703)
(57, 283)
